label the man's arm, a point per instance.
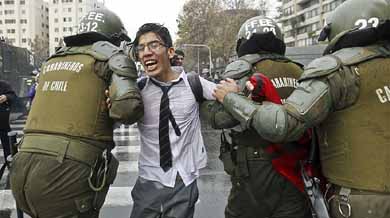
(213, 111)
(126, 102)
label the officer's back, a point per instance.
(64, 167)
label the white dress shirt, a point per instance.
(188, 150)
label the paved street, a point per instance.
(213, 184)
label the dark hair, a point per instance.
(179, 52)
(156, 28)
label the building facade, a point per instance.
(24, 23)
(64, 17)
(303, 20)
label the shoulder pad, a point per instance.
(295, 62)
(251, 58)
(121, 65)
(103, 50)
(237, 69)
(355, 55)
(254, 58)
(61, 50)
(321, 67)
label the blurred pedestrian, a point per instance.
(7, 98)
(178, 58)
(177, 61)
(32, 91)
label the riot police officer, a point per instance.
(345, 95)
(265, 182)
(64, 166)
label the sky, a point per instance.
(134, 13)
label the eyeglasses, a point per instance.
(152, 46)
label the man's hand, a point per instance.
(108, 100)
(225, 87)
(3, 98)
(262, 89)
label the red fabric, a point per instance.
(264, 88)
(287, 162)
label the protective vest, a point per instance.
(70, 98)
(282, 77)
(283, 74)
(355, 146)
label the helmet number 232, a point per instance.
(88, 27)
(363, 23)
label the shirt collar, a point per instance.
(182, 76)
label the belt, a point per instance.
(344, 205)
(62, 147)
(353, 191)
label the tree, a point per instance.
(263, 7)
(214, 23)
(40, 50)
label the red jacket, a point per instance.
(287, 162)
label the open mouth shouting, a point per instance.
(150, 64)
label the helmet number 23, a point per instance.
(88, 27)
(363, 23)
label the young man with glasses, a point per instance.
(172, 148)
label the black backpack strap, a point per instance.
(196, 86)
(141, 83)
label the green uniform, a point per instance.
(64, 167)
(258, 190)
(345, 95)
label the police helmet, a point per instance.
(259, 34)
(99, 25)
(355, 15)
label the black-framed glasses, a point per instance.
(152, 46)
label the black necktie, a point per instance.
(163, 130)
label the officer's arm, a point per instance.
(307, 106)
(324, 87)
(127, 106)
(217, 116)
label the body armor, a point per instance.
(355, 140)
(70, 98)
(283, 74)
(63, 81)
